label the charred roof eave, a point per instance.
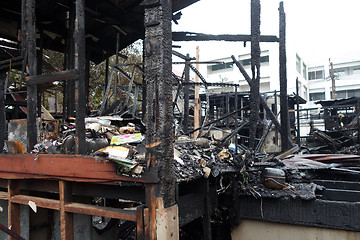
(104, 19)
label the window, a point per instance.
(221, 66)
(347, 93)
(298, 66)
(316, 75)
(317, 96)
(246, 62)
(356, 71)
(319, 74)
(339, 72)
(304, 71)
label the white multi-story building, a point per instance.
(227, 72)
(347, 79)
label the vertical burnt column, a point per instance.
(284, 113)
(80, 96)
(159, 107)
(255, 69)
(106, 71)
(116, 62)
(31, 89)
(39, 71)
(87, 80)
(2, 112)
(69, 88)
(297, 113)
(186, 94)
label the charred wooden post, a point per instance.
(31, 89)
(284, 113)
(159, 107)
(106, 72)
(87, 80)
(116, 62)
(236, 119)
(186, 94)
(192, 36)
(39, 71)
(227, 103)
(69, 87)
(207, 212)
(2, 112)
(275, 110)
(255, 69)
(14, 208)
(66, 218)
(80, 96)
(297, 113)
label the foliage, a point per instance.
(97, 75)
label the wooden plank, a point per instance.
(39, 201)
(117, 213)
(146, 223)
(14, 208)
(4, 196)
(52, 77)
(66, 219)
(140, 223)
(167, 223)
(73, 167)
(151, 204)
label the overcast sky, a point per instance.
(320, 29)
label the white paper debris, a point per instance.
(32, 205)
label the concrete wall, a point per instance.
(255, 230)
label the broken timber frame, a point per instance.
(269, 113)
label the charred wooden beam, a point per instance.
(2, 113)
(15, 103)
(69, 89)
(159, 107)
(32, 89)
(39, 71)
(191, 36)
(13, 208)
(263, 138)
(297, 113)
(284, 113)
(80, 95)
(207, 212)
(52, 77)
(318, 213)
(255, 69)
(7, 62)
(186, 95)
(10, 233)
(182, 56)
